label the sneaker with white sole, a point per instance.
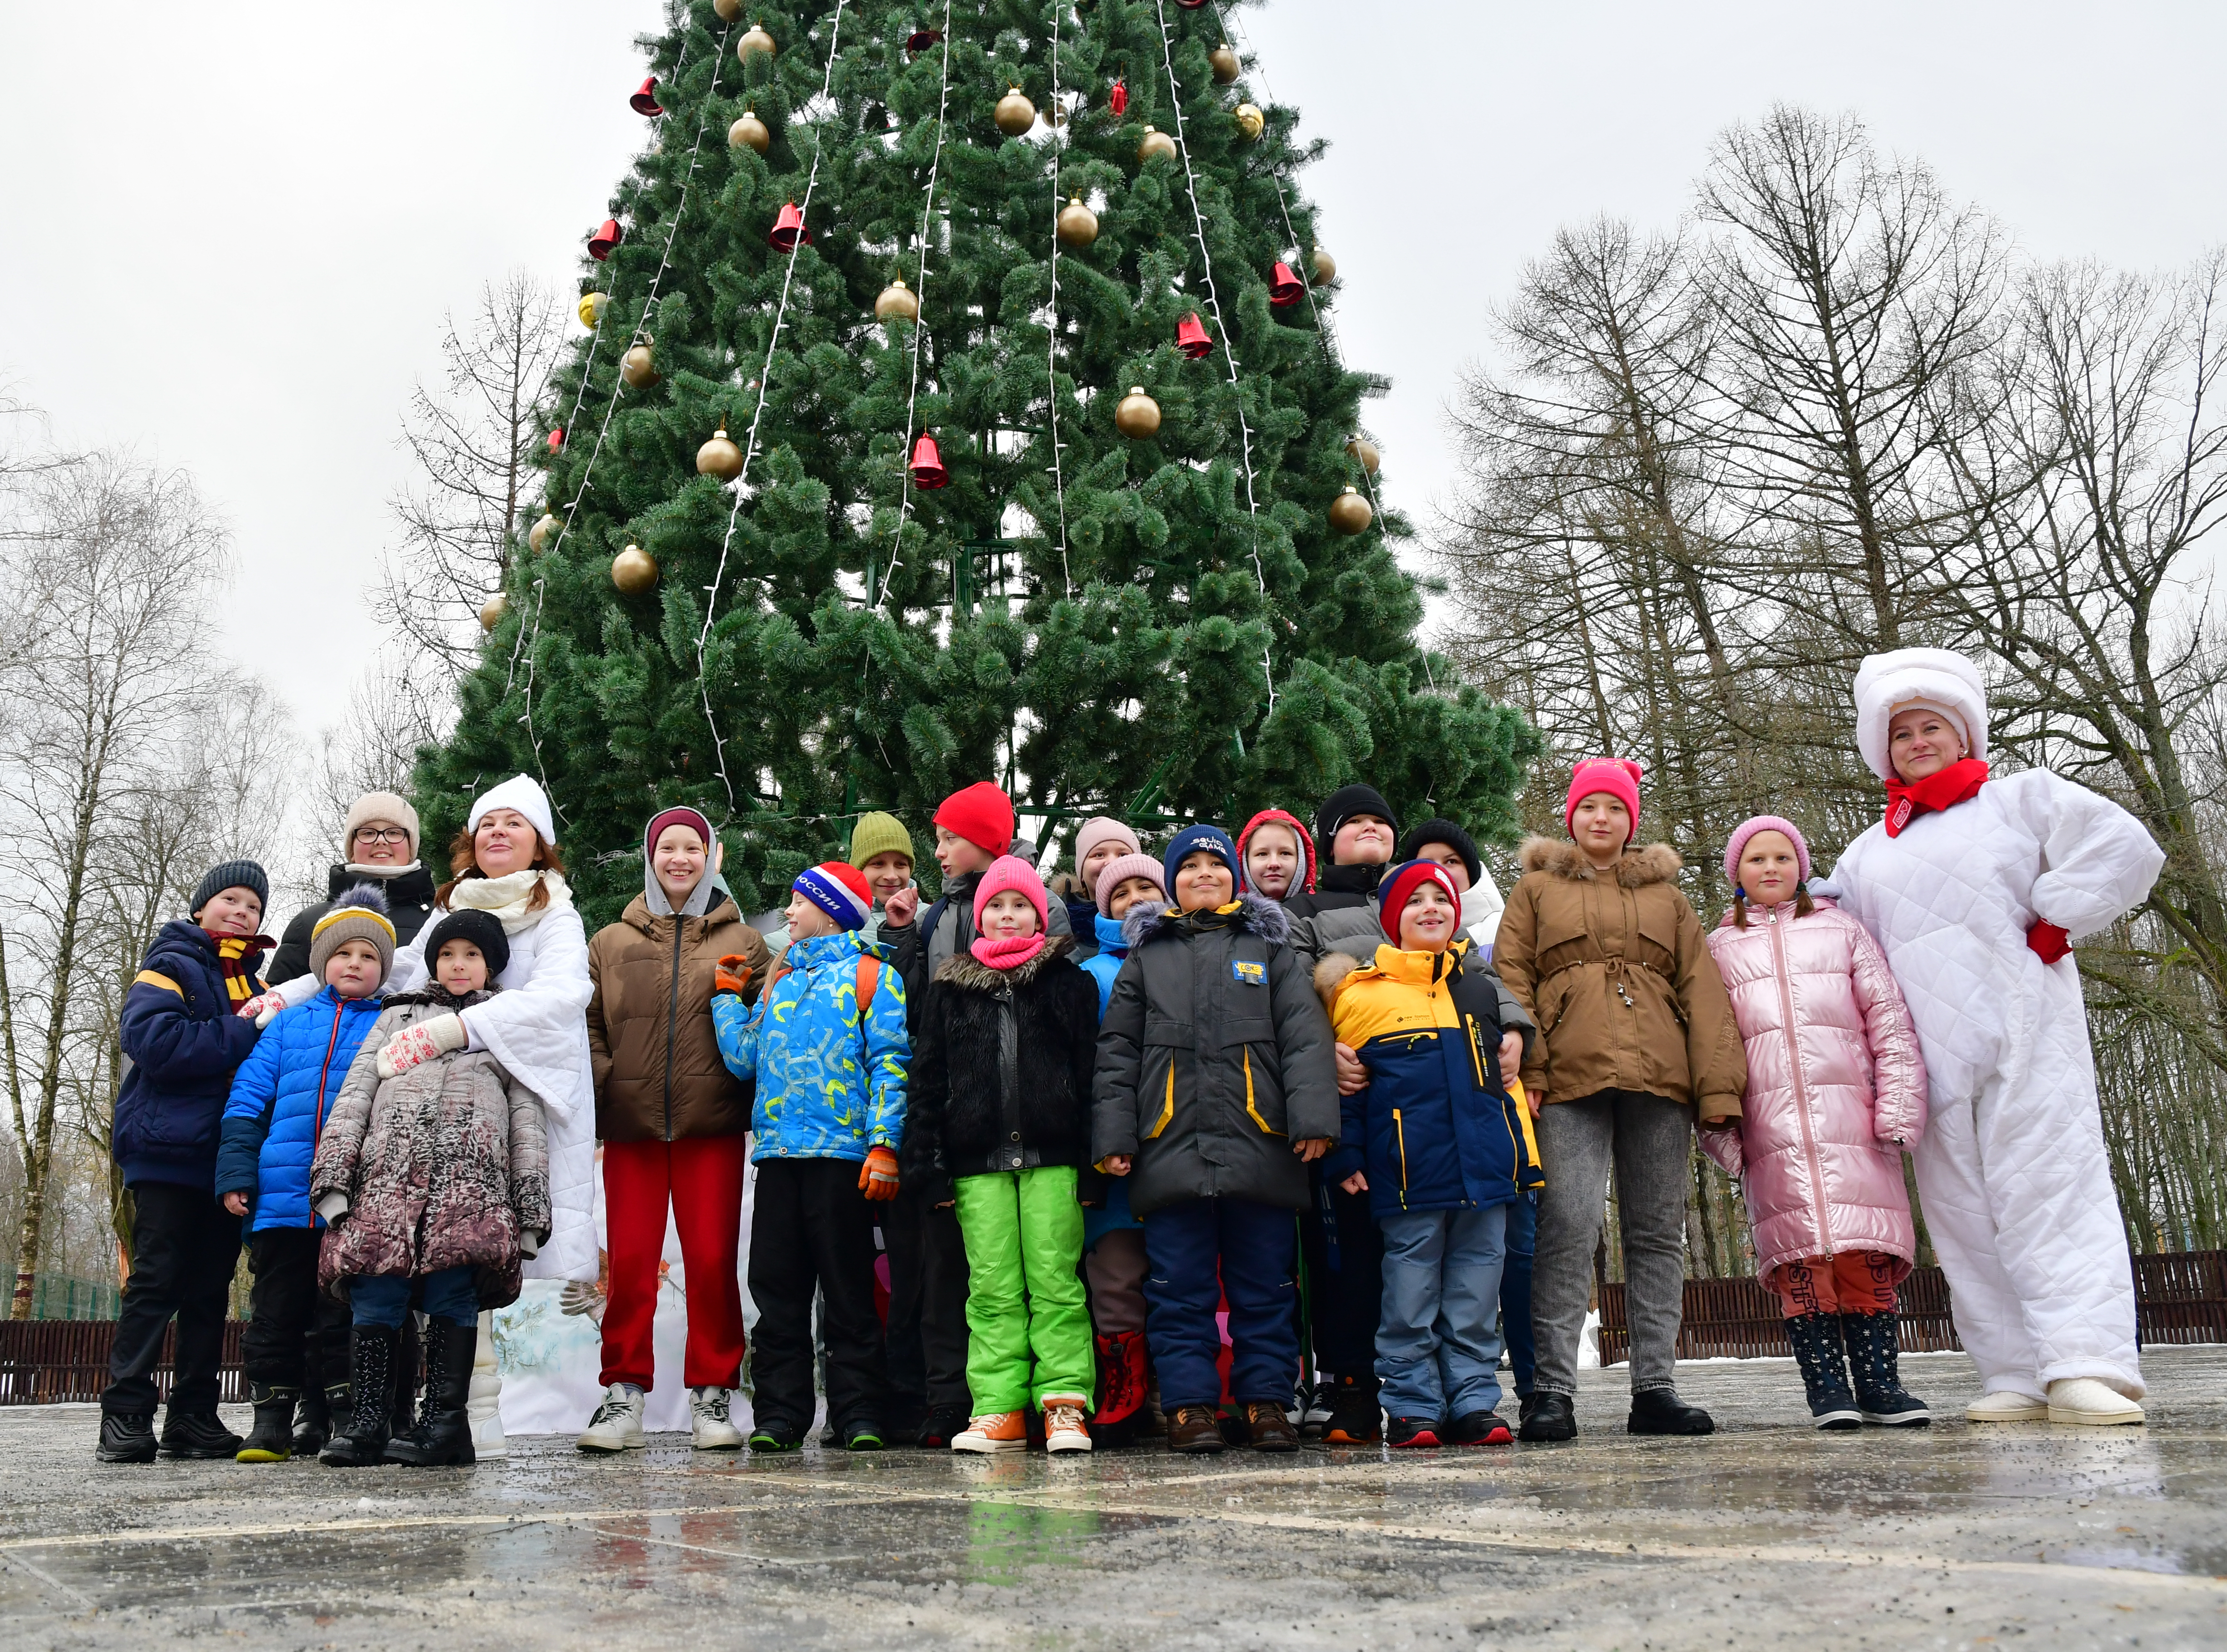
(999, 1430)
(1063, 1427)
(2007, 1405)
(710, 1427)
(616, 1425)
(2083, 1400)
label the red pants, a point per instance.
(1854, 1282)
(702, 1178)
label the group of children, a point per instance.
(1094, 1130)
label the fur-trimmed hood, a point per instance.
(1330, 973)
(1150, 920)
(965, 970)
(1656, 862)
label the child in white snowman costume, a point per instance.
(1973, 887)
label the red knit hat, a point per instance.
(980, 813)
(1618, 776)
(1400, 882)
(1011, 871)
(1278, 817)
(692, 818)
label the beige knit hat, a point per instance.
(359, 915)
(379, 805)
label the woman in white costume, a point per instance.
(505, 862)
(1974, 887)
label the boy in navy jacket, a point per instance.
(280, 1099)
(184, 1039)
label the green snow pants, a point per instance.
(1024, 1232)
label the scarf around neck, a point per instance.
(236, 957)
(504, 898)
(1944, 789)
(1010, 952)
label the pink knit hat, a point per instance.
(1618, 776)
(1099, 828)
(1747, 829)
(1114, 872)
(1011, 871)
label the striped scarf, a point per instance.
(236, 956)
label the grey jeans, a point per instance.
(1650, 1141)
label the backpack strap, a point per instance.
(866, 983)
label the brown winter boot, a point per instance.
(1195, 1431)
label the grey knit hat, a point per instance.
(229, 874)
(359, 915)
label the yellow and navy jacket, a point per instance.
(184, 1043)
(1433, 1128)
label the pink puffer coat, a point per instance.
(1835, 1087)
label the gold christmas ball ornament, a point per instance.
(538, 536)
(1324, 267)
(1251, 123)
(491, 612)
(1156, 143)
(755, 41)
(592, 306)
(1222, 59)
(638, 368)
(1363, 451)
(1016, 114)
(1078, 225)
(1349, 513)
(898, 303)
(634, 570)
(719, 457)
(728, 9)
(1137, 416)
(749, 132)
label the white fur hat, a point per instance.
(521, 794)
(1933, 678)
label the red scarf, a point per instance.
(1944, 790)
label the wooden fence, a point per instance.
(2180, 1297)
(43, 1360)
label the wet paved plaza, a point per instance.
(1769, 1535)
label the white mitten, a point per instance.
(262, 1007)
(420, 1042)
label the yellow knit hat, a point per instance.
(878, 833)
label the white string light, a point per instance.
(919, 321)
(1229, 348)
(1051, 341)
(750, 447)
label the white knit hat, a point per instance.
(1931, 679)
(518, 793)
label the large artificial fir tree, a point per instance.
(1159, 626)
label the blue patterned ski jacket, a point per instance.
(831, 1082)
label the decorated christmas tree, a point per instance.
(959, 399)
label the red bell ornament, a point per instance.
(1284, 288)
(1118, 98)
(557, 440)
(1190, 5)
(927, 465)
(789, 228)
(644, 102)
(601, 243)
(1192, 339)
(920, 40)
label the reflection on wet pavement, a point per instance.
(1957, 1536)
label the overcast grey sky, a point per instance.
(231, 230)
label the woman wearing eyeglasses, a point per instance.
(379, 842)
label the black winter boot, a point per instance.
(361, 1441)
(444, 1434)
(1548, 1416)
(407, 1343)
(313, 1424)
(1355, 1418)
(1874, 1342)
(272, 1440)
(199, 1436)
(1660, 1411)
(1816, 1339)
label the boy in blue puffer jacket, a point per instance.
(1441, 1148)
(183, 1038)
(280, 1099)
(828, 1048)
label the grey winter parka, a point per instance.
(1213, 1056)
(445, 1165)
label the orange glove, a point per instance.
(731, 974)
(878, 1177)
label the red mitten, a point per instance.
(731, 974)
(2049, 942)
(878, 1177)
